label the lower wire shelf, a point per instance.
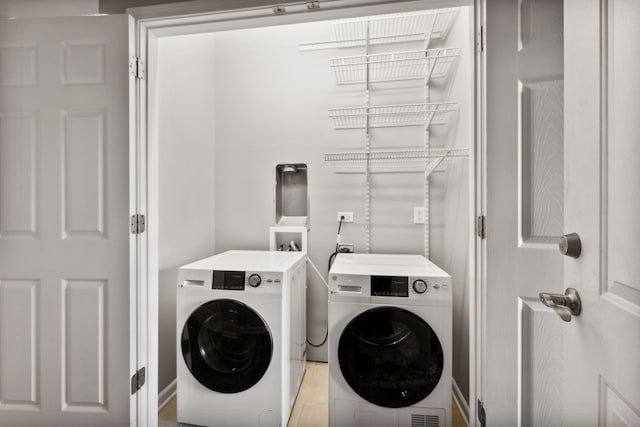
(392, 161)
(392, 115)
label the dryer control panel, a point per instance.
(406, 288)
(402, 286)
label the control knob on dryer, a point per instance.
(420, 286)
(254, 280)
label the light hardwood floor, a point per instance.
(311, 407)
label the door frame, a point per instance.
(478, 288)
(146, 26)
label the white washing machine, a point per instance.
(241, 338)
(389, 342)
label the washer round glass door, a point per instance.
(226, 345)
(390, 357)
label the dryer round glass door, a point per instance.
(390, 357)
(226, 345)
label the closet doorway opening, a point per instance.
(387, 129)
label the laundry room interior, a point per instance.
(267, 127)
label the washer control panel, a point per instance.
(244, 280)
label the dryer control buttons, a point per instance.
(254, 280)
(420, 286)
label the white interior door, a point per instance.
(601, 346)
(524, 204)
(64, 264)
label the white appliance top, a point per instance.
(385, 265)
(268, 261)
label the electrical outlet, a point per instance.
(418, 215)
(348, 216)
(345, 248)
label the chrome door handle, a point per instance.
(566, 305)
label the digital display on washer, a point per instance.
(389, 286)
(228, 280)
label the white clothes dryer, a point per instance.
(241, 338)
(389, 342)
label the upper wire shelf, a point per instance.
(392, 160)
(390, 28)
(392, 115)
(384, 67)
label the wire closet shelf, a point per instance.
(390, 28)
(419, 64)
(428, 114)
(408, 160)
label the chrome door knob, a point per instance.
(570, 245)
(566, 305)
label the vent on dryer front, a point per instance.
(420, 420)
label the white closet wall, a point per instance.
(186, 178)
(450, 196)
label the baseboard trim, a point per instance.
(460, 400)
(166, 395)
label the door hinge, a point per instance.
(482, 416)
(480, 40)
(137, 224)
(481, 226)
(138, 379)
(137, 68)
